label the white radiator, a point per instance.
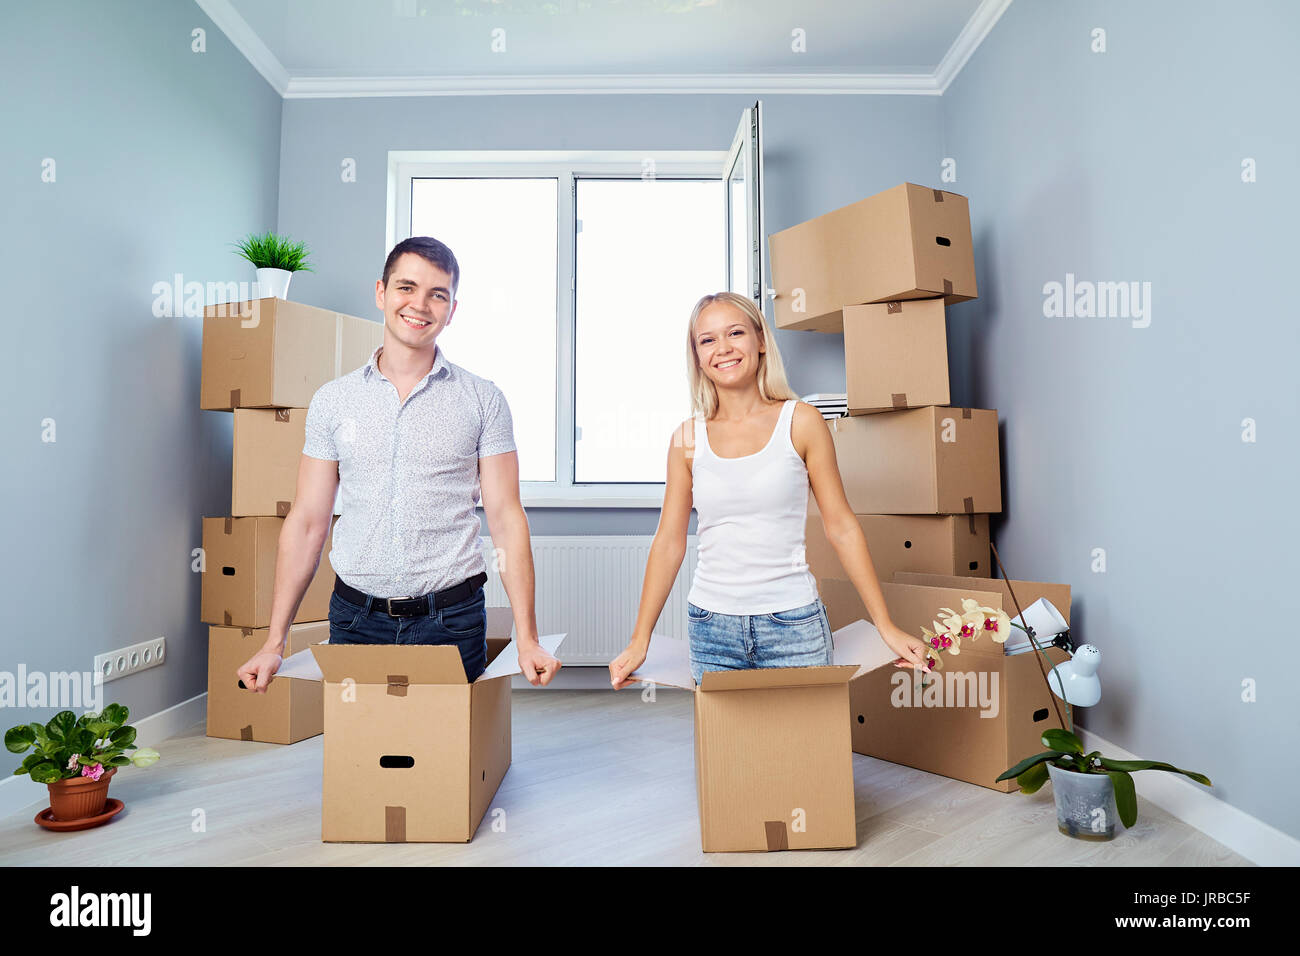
(589, 586)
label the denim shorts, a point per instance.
(463, 625)
(799, 637)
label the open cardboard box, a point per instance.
(289, 711)
(982, 713)
(414, 753)
(773, 756)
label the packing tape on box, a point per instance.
(395, 824)
(245, 632)
(282, 414)
(228, 621)
(234, 398)
(968, 506)
(899, 399)
(246, 733)
(938, 195)
(397, 684)
(947, 287)
(965, 413)
(776, 835)
(971, 516)
(281, 509)
(229, 526)
(892, 307)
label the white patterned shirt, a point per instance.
(408, 473)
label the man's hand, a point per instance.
(259, 670)
(621, 667)
(537, 664)
(911, 649)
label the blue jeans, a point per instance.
(463, 625)
(799, 637)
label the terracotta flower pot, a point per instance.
(79, 797)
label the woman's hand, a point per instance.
(621, 667)
(911, 650)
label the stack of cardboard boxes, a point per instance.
(263, 360)
(921, 478)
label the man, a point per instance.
(408, 438)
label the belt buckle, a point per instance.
(388, 605)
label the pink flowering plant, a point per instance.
(71, 746)
(951, 628)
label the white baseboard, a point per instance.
(20, 794)
(1254, 839)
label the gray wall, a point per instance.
(820, 152)
(1126, 165)
(163, 157)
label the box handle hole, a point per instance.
(943, 240)
(228, 571)
(1040, 714)
(397, 760)
(907, 544)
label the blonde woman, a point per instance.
(745, 463)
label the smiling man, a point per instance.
(410, 440)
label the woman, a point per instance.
(745, 463)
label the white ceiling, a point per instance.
(393, 47)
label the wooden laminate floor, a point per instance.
(597, 778)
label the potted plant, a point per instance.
(76, 757)
(276, 259)
(1087, 787)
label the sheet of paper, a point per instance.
(667, 662)
(859, 643)
(507, 662)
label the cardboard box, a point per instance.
(271, 353)
(773, 766)
(239, 574)
(289, 711)
(268, 446)
(982, 713)
(933, 460)
(895, 355)
(942, 544)
(413, 753)
(908, 242)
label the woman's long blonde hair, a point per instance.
(772, 384)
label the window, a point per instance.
(578, 273)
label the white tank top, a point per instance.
(750, 526)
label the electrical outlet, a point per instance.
(131, 660)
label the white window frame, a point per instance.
(566, 166)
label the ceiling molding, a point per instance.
(307, 87)
(972, 35)
(236, 28)
(247, 42)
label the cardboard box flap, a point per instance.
(773, 677)
(1027, 592)
(389, 663)
(306, 665)
(667, 662)
(501, 621)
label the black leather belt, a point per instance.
(412, 606)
